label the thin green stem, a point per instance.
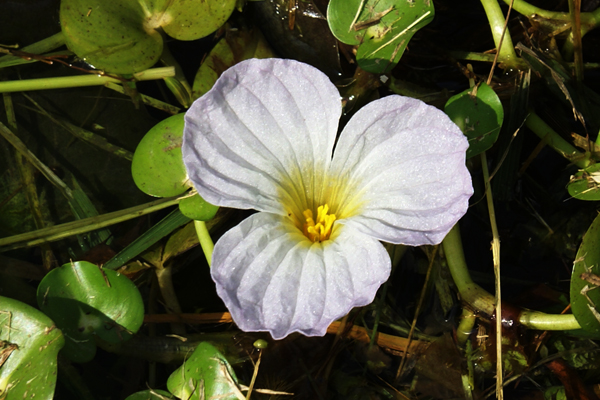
(554, 140)
(496, 261)
(62, 231)
(481, 301)
(205, 240)
(506, 49)
(470, 292)
(43, 46)
(528, 10)
(80, 80)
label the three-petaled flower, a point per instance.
(263, 137)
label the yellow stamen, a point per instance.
(321, 230)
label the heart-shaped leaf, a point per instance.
(85, 300)
(116, 36)
(29, 343)
(479, 114)
(205, 375)
(381, 28)
(121, 36)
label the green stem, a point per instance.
(528, 10)
(43, 46)
(548, 322)
(482, 301)
(62, 231)
(80, 80)
(554, 140)
(506, 51)
(205, 240)
(470, 292)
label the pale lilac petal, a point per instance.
(262, 136)
(402, 167)
(273, 279)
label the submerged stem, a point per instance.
(80, 80)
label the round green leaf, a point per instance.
(115, 36)
(585, 295)
(157, 165)
(29, 343)
(151, 395)
(479, 114)
(85, 300)
(121, 36)
(584, 184)
(197, 208)
(205, 375)
(194, 19)
(381, 28)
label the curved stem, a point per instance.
(506, 50)
(523, 7)
(480, 300)
(470, 292)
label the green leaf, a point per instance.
(584, 184)
(151, 395)
(197, 208)
(115, 35)
(381, 28)
(205, 375)
(157, 165)
(585, 296)
(84, 301)
(194, 19)
(479, 114)
(122, 36)
(29, 343)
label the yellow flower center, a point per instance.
(319, 230)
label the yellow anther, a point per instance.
(321, 230)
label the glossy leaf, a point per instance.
(111, 35)
(194, 19)
(84, 301)
(585, 296)
(584, 184)
(197, 208)
(157, 165)
(205, 375)
(122, 36)
(479, 114)
(380, 28)
(29, 344)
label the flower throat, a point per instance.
(318, 230)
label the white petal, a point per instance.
(262, 136)
(403, 164)
(273, 279)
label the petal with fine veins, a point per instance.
(274, 279)
(403, 166)
(262, 136)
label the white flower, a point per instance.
(263, 139)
